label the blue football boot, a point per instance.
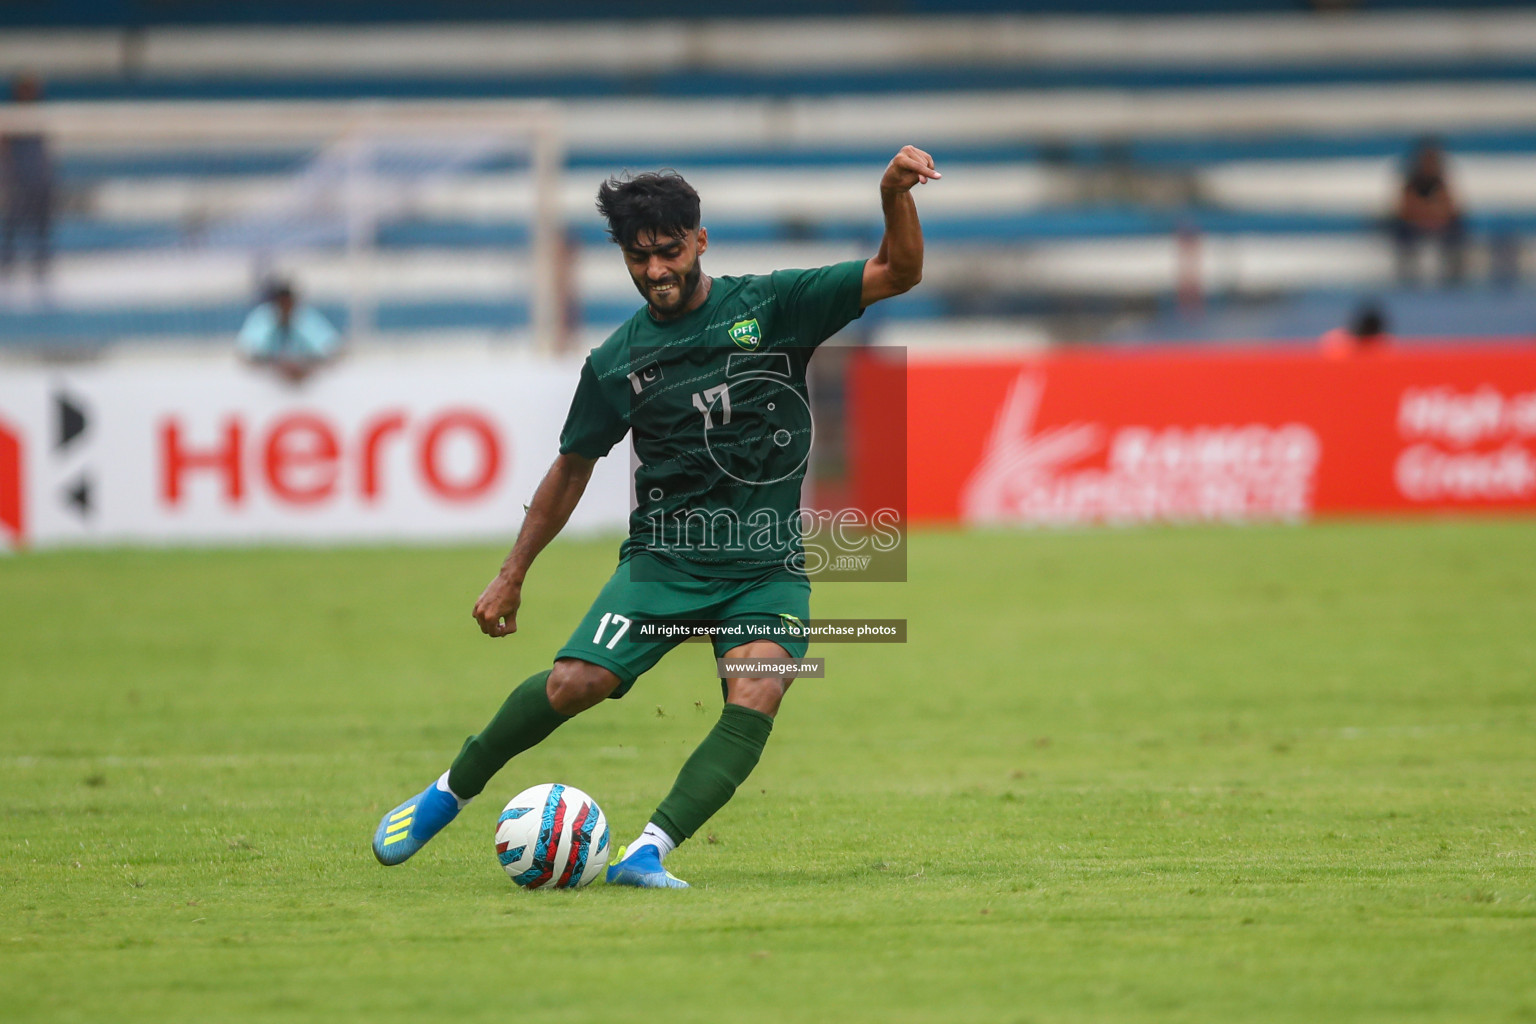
(643, 870)
(407, 828)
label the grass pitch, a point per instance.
(1172, 775)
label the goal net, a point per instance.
(399, 221)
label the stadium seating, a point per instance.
(1095, 168)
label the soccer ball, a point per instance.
(552, 836)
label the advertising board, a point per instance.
(1227, 435)
(211, 451)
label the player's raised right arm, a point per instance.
(552, 505)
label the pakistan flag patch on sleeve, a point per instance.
(746, 334)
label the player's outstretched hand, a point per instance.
(907, 168)
(496, 611)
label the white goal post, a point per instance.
(166, 213)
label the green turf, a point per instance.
(1175, 775)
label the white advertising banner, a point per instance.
(418, 447)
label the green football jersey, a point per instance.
(721, 419)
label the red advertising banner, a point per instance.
(1200, 435)
(12, 521)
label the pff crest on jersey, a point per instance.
(747, 334)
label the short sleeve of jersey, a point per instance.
(319, 337)
(257, 334)
(592, 427)
(819, 303)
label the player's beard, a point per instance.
(685, 292)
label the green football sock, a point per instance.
(525, 719)
(709, 777)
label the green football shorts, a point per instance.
(611, 634)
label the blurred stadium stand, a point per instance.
(1206, 171)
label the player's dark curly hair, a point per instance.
(661, 202)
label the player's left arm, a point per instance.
(898, 266)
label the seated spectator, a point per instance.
(1366, 333)
(1427, 211)
(292, 338)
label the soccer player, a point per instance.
(710, 377)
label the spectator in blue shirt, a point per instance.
(292, 338)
